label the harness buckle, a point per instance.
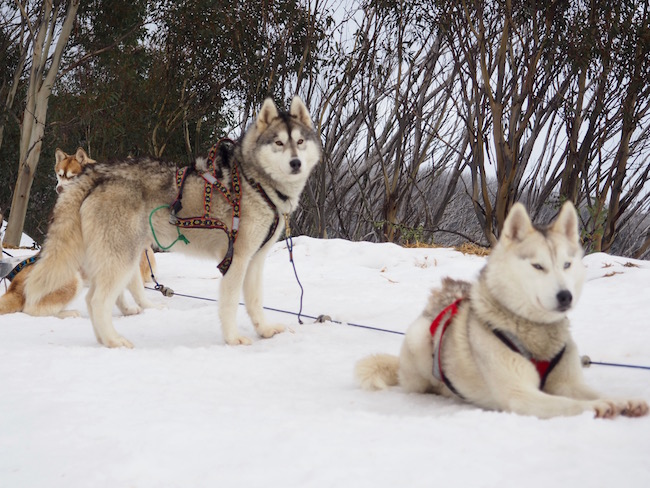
(174, 208)
(235, 223)
(209, 177)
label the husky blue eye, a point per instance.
(538, 267)
(567, 265)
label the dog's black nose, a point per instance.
(564, 299)
(295, 164)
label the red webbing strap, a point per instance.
(438, 373)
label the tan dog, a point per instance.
(52, 304)
(66, 168)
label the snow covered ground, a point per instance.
(184, 410)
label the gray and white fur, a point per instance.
(100, 224)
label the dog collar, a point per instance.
(276, 215)
(543, 367)
(16, 269)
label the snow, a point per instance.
(25, 240)
(184, 410)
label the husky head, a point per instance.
(283, 146)
(537, 273)
(67, 167)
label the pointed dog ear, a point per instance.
(268, 112)
(567, 222)
(59, 156)
(299, 111)
(83, 158)
(517, 224)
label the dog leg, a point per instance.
(124, 306)
(532, 401)
(514, 388)
(567, 380)
(253, 292)
(229, 292)
(580, 391)
(136, 287)
(54, 303)
(416, 361)
(100, 300)
(11, 302)
(409, 374)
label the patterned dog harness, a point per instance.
(543, 367)
(232, 195)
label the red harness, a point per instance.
(543, 367)
(452, 310)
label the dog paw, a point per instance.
(145, 304)
(239, 341)
(134, 310)
(270, 330)
(67, 314)
(634, 408)
(605, 409)
(118, 341)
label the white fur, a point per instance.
(517, 292)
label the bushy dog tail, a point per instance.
(377, 372)
(63, 251)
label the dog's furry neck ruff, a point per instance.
(542, 339)
(255, 182)
(230, 154)
(285, 198)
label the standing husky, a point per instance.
(115, 207)
(506, 343)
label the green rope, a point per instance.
(180, 237)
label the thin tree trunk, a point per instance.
(39, 90)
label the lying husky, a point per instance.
(234, 209)
(67, 167)
(503, 343)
